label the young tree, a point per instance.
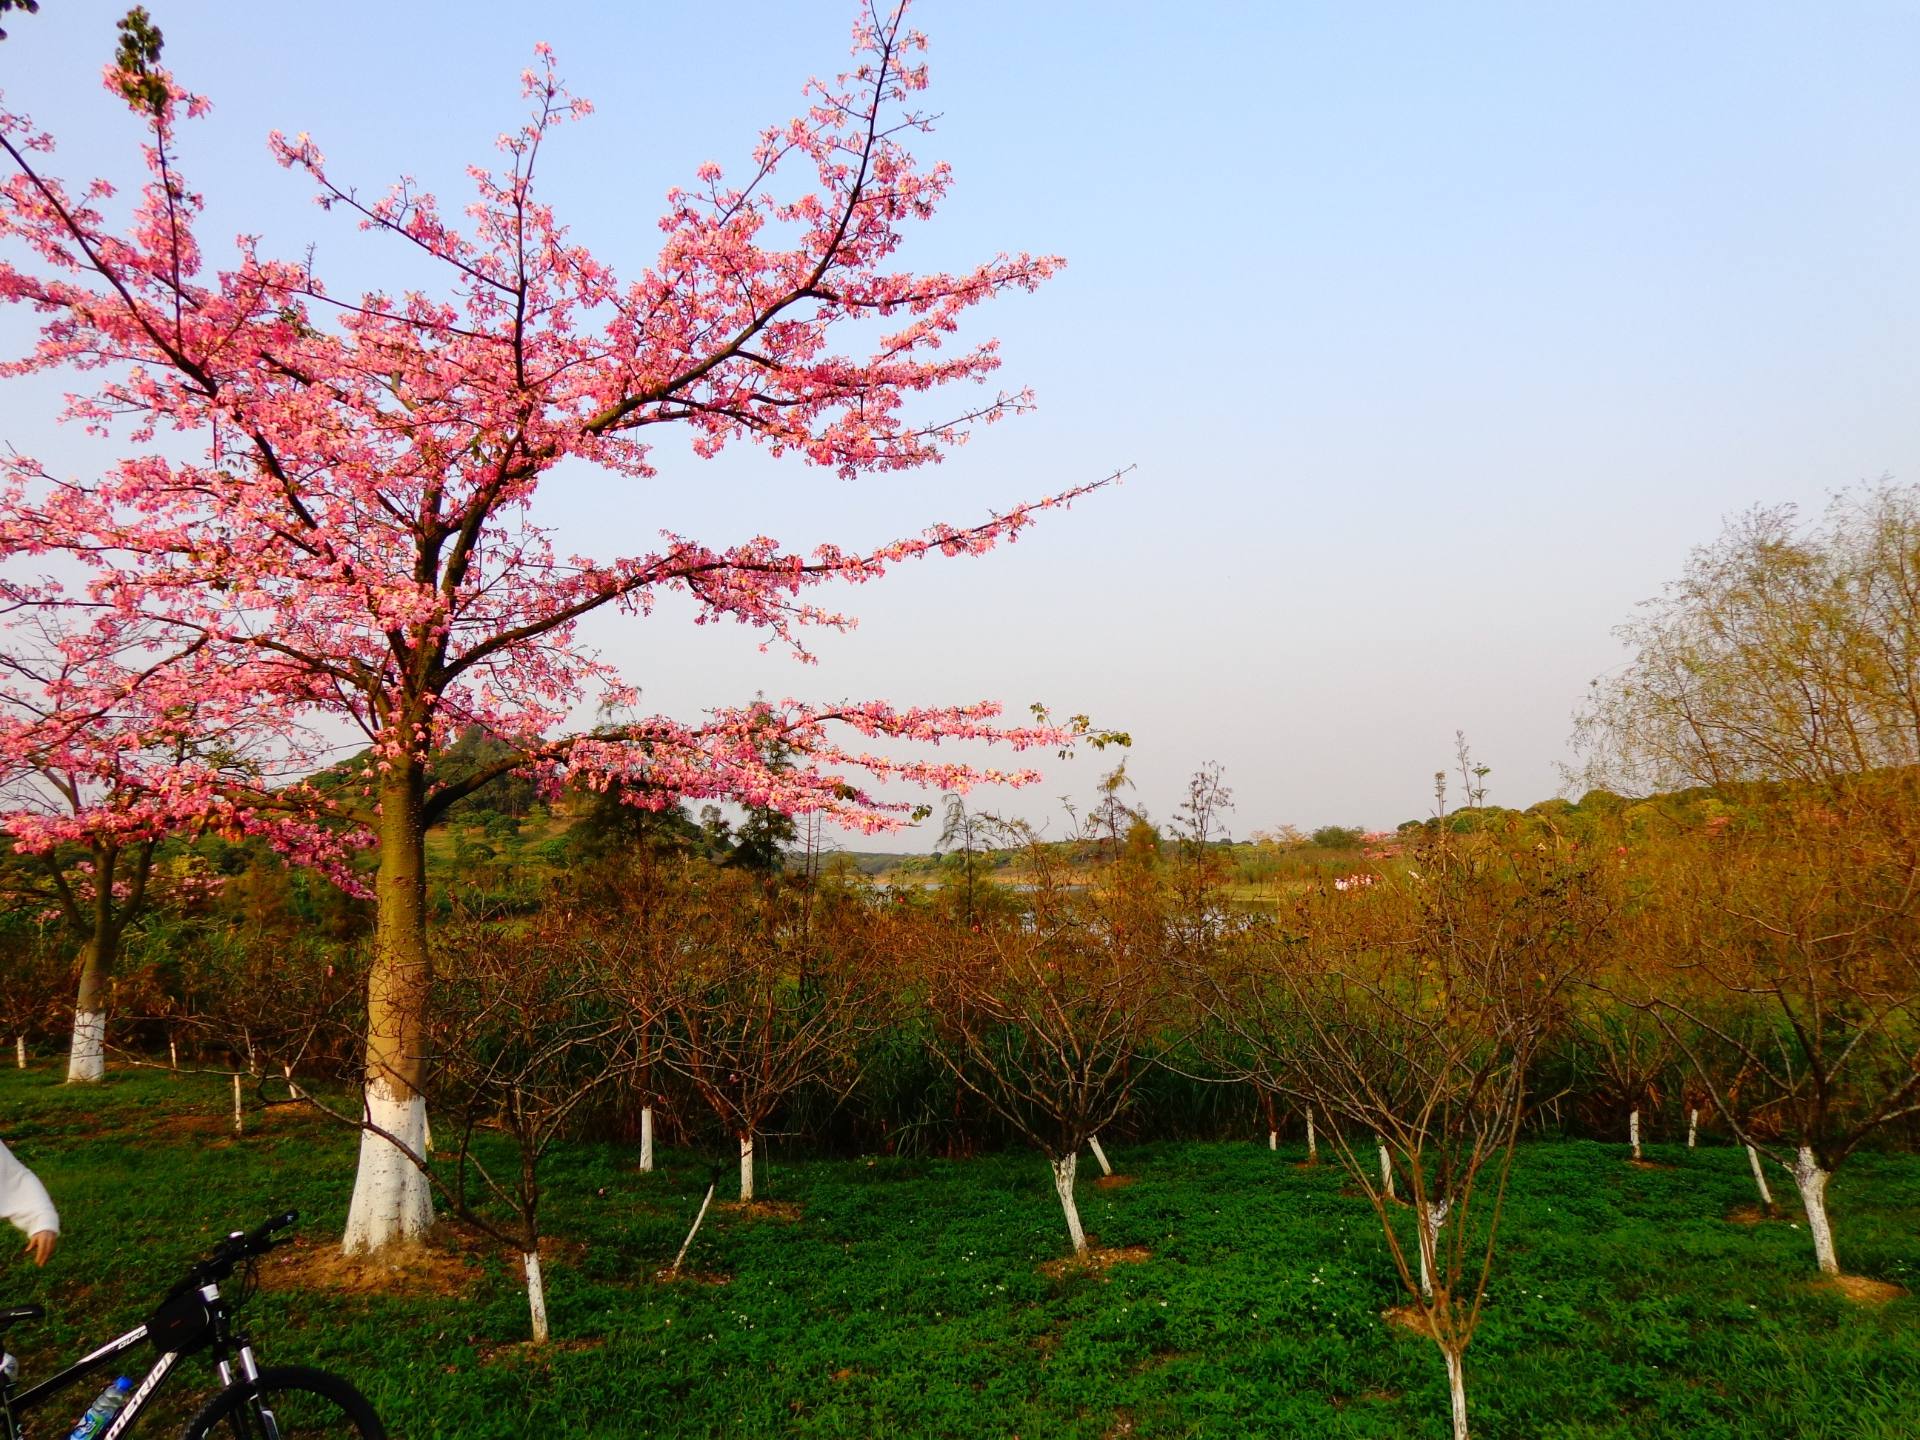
(1053, 1018)
(1800, 1011)
(751, 1005)
(1627, 1049)
(1417, 1007)
(359, 541)
(527, 1035)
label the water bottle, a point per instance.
(107, 1404)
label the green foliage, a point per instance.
(1338, 837)
(136, 58)
(906, 1299)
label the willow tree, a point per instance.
(358, 542)
(1783, 671)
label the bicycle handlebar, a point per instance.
(237, 1248)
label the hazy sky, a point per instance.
(1437, 334)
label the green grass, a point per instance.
(906, 1300)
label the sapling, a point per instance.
(1415, 1010)
(757, 996)
(526, 1037)
(1052, 1019)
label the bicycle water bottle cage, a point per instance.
(183, 1323)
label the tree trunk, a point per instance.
(1693, 1127)
(1633, 1131)
(1313, 1142)
(1760, 1180)
(391, 1200)
(1430, 1224)
(746, 1168)
(1386, 1169)
(238, 1124)
(536, 1296)
(87, 1059)
(1812, 1181)
(1099, 1154)
(173, 1053)
(1273, 1139)
(1063, 1173)
(1457, 1388)
(646, 1139)
(20, 1051)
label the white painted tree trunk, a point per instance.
(536, 1296)
(1386, 1169)
(1273, 1139)
(1633, 1131)
(746, 1170)
(1313, 1142)
(293, 1092)
(173, 1053)
(1099, 1154)
(87, 1060)
(1457, 1388)
(1812, 1181)
(1436, 1217)
(1760, 1180)
(687, 1244)
(1693, 1127)
(392, 1203)
(646, 1138)
(20, 1051)
(1063, 1173)
(239, 1124)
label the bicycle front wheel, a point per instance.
(289, 1402)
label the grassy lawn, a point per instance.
(905, 1298)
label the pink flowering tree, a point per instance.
(358, 540)
(106, 750)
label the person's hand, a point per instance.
(40, 1245)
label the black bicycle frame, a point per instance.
(191, 1322)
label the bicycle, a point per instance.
(289, 1402)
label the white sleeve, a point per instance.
(23, 1199)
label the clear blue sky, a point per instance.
(1437, 333)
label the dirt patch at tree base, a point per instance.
(1649, 1165)
(1861, 1289)
(761, 1209)
(1748, 1215)
(434, 1269)
(1114, 1182)
(528, 1352)
(1095, 1261)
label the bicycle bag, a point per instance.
(183, 1324)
